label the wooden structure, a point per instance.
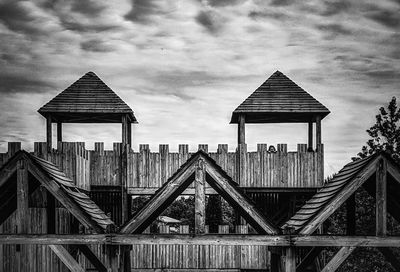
(68, 208)
(280, 100)
(87, 100)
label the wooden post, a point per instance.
(124, 129)
(200, 197)
(351, 215)
(59, 132)
(49, 133)
(381, 207)
(241, 129)
(310, 136)
(113, 257)
(22, 197)
(22, 208)
(318, 130)
(124, 183)
(290, 259)
(130, 133)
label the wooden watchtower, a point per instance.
(87, 100)
(282, 175)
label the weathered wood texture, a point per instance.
(199, 256)
(71, 158)
(146, 169)
(36, 258)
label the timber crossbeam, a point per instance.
(207, 239)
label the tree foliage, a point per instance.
(385, 133)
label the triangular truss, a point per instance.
(379, 175)
(218, 180)
(58, 185)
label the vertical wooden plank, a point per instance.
(124, 183)
(262, 149)
(183, 153)
(241, 129)
(310, 135)
(290, 259)
(22, 197)
(318, 130)
(13, 147)
(164, 162)
(203, 147)
(49, 133)
(242, 165)
(200, 197)
(381, 207)
(129, 132)
(124, 129)
(284, 171)
(22, 213)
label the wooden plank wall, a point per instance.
(156, 257)
(147, 169)
(33, 258)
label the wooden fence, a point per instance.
(147, 171)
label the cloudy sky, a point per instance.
(183, 66)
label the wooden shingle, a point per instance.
(279, 100)
(87, 100)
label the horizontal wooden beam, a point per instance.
(207, 239)
(211, 191)
(152, 191)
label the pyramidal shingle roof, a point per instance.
(279, 99)
(88, 99)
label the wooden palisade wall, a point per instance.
(147, 169)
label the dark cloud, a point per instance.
(14, 83)
(384, 75)
(336, 7)
(386, 17)
(88, 7)
(280, 3)
(265, 14)
(209, 20)
(18, 18)
(80, 16)
(96, 45)
(74, 25)
(224, 3)
(333, 30)
(141, 10)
